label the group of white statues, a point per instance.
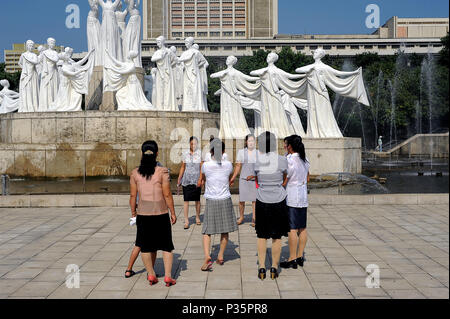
(274, 95)
(52, 81)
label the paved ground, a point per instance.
(410, 244)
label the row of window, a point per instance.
(204, 34)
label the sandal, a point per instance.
(186, 226)
(240, 221)
(198, 223)
(207, 266)
(220, 262)
(132, 273)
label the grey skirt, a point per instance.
(247, 191)
(219, 217)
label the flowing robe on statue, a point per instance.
(193, 100)
(274, 117)
(122, 78)
(72, 87)
(29, 83)
(165, 100)
(132, 37)
(236, 91)
(94, 39)
(203, 65)
(321, 120)
(49, 80)
(9, 101)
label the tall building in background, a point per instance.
(210, 19)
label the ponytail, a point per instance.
(297, 145)
(148, 161)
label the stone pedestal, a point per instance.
(109, 102)
(95, 94)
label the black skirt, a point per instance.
(271, 220)
(154, 233)
(192, 193)
(297, 217)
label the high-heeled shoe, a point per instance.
(273, 273)
(262, 273)
(207, 266)
(300, 261)
(152, 280)
(169, 282)
(289, 264)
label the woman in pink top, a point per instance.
(154, 224)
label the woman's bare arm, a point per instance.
(133, 196)
(167, 192)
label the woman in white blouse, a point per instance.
(297, 200)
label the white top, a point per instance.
(208, 157)
(217, 185)
(297, 190)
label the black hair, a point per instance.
(267, 142)
(211, 138)
(193, 138)
(217, 146)
(148, 161)
(246, 139)
(297, 145)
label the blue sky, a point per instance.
(38, 19)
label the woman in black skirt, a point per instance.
(154, 224)
(271, 219)
(189, 177)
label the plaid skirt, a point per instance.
(219, 217)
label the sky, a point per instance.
(39, 19)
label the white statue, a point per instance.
(203, 66)
(73, 84)
(29, 80)
(133, 32)
(49, 76)
(94, 33)
(110, 32)
(277, 88)
(236, 87)
(178, 72)
(122, 78)
(40, 56)
(321, 120)
(9, 100)
(193, 92)
(154, 92)
(121, 16)
(165, 77)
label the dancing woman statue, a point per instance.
(29, 80)
(49, 76)
(9, 100)
(276, 89)
(110, 32)
(235, 88)
(165, 77)
(94, 33)
(121, 16)
(133, 32)
(73, 84)
(321, 120)
(122, 78)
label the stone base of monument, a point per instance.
(96, 143)
(104, 101)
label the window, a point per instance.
(227, 34)
(240, 33)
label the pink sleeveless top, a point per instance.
(151, 197)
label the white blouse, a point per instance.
(297, 190)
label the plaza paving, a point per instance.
(410, 244)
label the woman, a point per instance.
(219, 213)
(245, 166)
(29, 80)
(94, 33)
(188, 178)
(132, 39)
(154, 231)
(271, 211)
(110, 32)
(297, 200)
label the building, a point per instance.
(412, 35)
(210, 19)
(406, 28)
(12, 56)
